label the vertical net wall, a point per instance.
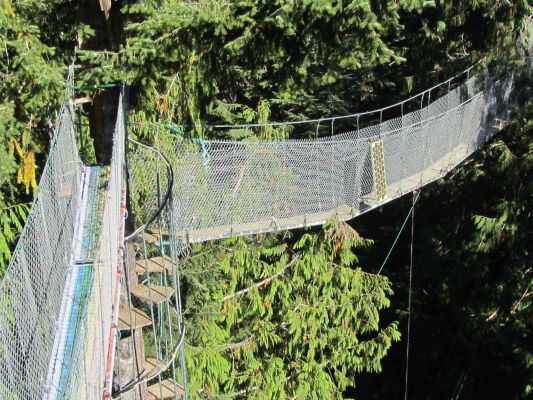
(90, 372)
(31, 292)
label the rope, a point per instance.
(416, 194)
(412, 212)
(206, 148)
(177, 130)
(468, 365)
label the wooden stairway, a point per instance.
(132, 318)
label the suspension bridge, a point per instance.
(80, 294)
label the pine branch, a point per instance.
(265, 281)
(246, 341)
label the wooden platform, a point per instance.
(343, 212)
(167, 389)
(149, 237)
(154, 294)
(153, 265)
(132, 318)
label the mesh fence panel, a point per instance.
(225, 188)
(91, 369)
(32, 289)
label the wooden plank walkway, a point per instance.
(153, 265)
(152, 294)
(435, 171)
(153, 367)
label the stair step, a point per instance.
(499, 123)
(155, 294)
(132, 318)
(154, 264)
(152, 366)
(151, 238)
(166, 389)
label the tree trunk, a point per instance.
(109, 35)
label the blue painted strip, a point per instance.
(84, 273)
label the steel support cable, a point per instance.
(347, 116)
(415, 197)
(444, 364)
(468, 364)
(381, 135)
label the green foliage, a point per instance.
(293, 319)
(11, 223)
(472, 302)
(31, 85)
(192, 64)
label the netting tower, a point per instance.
(57, 314)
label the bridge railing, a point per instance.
(224, 188)
(151, 181)
(59, 296)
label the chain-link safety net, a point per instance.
(59, 299)
(32, 290)
(224, 188)
(91, 372)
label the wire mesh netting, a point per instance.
(31, 292)
(224, 188)
(91, 370)
(59, 298)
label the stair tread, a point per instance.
(152, 366)
(132, 318)
(156, 294)
(166, 389)
(154, 265)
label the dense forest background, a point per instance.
(326, 326)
